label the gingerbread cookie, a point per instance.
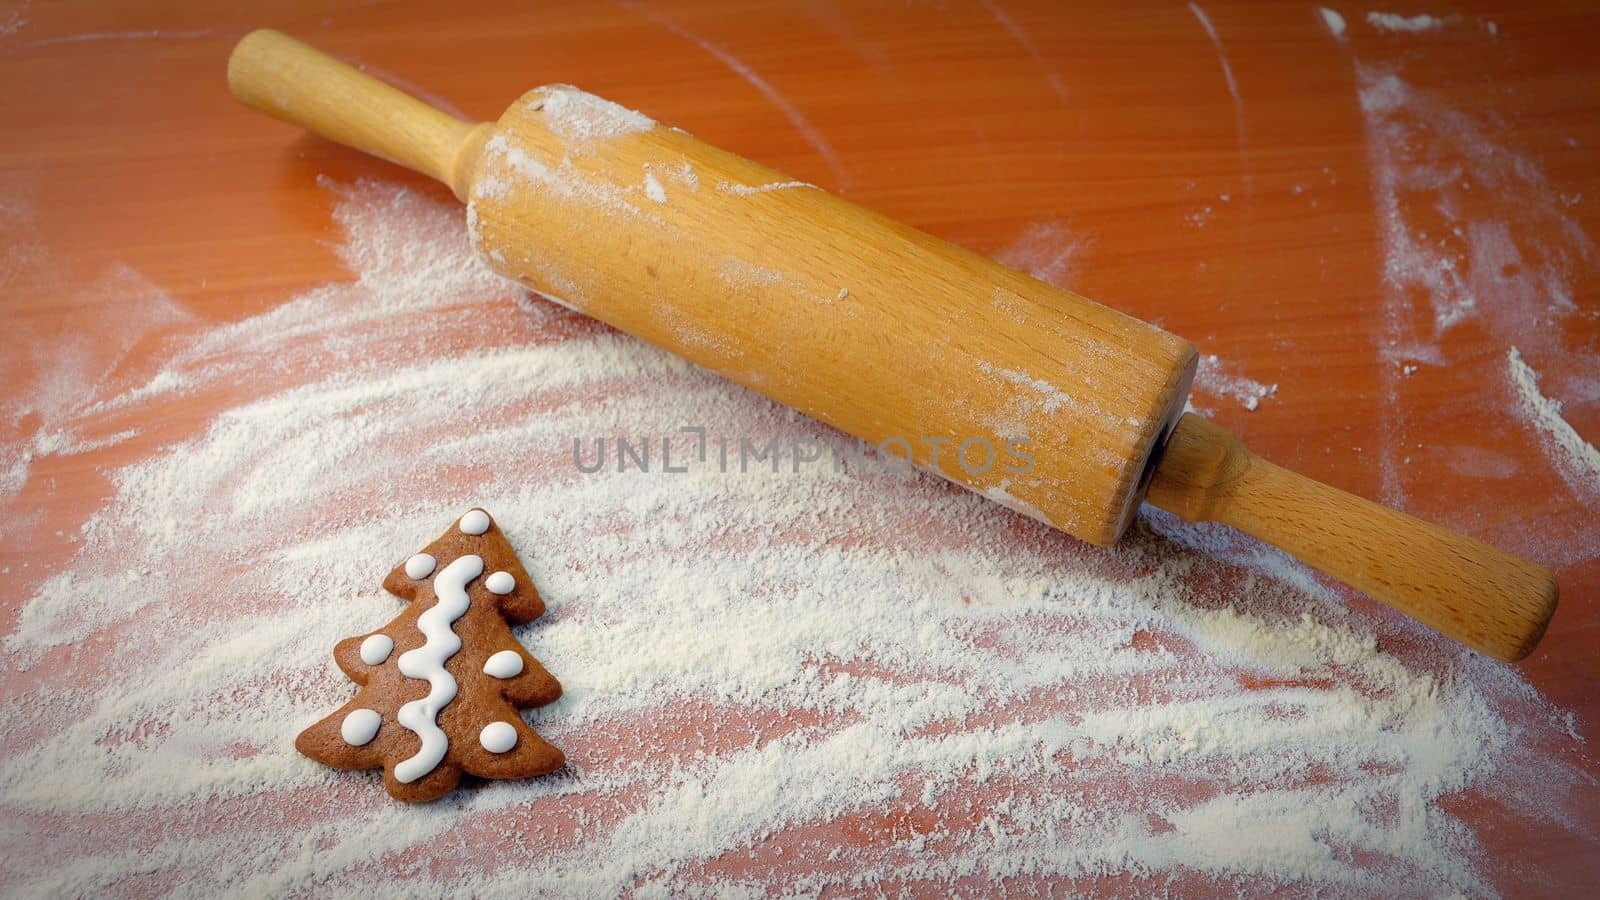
(441, 684)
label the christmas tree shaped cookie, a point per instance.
(441, 684)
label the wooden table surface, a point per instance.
(1211, 168)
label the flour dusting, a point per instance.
(1045, 396)
(1413, 24)
(579, 116)
(794, 681)
(1049, 251)
(1475, 237)
(507, 161)
(54, 378)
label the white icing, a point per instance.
(360, 726)
(505, 664)
(475, 522)
(498, 737)
(500, 583)
(420, 566)
(427, 662)
(376, 648)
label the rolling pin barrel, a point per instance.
(1035, 397)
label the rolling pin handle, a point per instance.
(278, 75)
(1485, 598)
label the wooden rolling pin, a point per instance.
(892, 335)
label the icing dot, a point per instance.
(475, 522)
(420, 566)
(376, 648)
(361, 726)
(500, 583)
(505, 664)
(498, 737)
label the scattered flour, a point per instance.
(1049, 251)
(13, 19)
(1578, 459)
(1210, 379)
(1483, 265)
(1413, 24)
(748, 276)
(686, 176)
(775, 683)
(653, 188)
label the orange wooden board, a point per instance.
(1255, 187)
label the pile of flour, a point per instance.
(774, 681)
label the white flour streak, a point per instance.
(1412, 24)
(1000, 495)
(653, 188)
(745, 190)
(775, 683)
(1020, 35)
(1050, 399)
(1577, 459)
(1222, 59)
(152, 35)
(753, 78)
(1333, 21)
(1242, 134)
